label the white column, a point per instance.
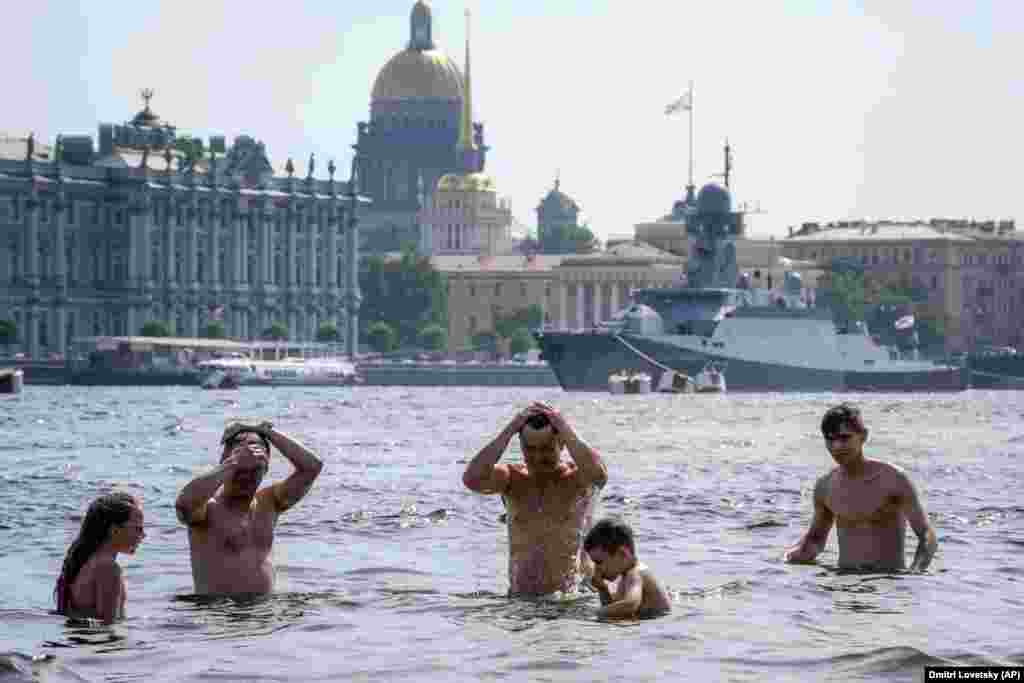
(563, 305)
(614, 303)
(213, 250)
(170, 255)
(308, 219)
(597, 300)
(579, 305)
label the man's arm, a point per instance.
(591, 469)
(108, 592)
(483, 474)
(191, 503)
(813, 542)
(631, 595)
(927, 543)
(307, 468)
(601, 586)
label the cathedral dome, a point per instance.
(470, 182)
(418, 74)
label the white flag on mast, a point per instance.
(684, 103)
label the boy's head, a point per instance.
(844, 432)
(611, 548)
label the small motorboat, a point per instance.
(710, 380)
(11, 380)
(624, 382)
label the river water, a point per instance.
(390, 569)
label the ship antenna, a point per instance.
(690, 187)
(728, 163)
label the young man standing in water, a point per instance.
(231, 519)
(548, 502)
(869, 501)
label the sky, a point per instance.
(834, 110)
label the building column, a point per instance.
(30, 264)
(266, 248)
(331, 255)
(213, 240)
(59, 247)
(563, 305)
(32, 318)
(171, 249)
(353, 299)
(191, 244)
(192, 321)
(307, 219)
(238, 243)
(579, 304)
(291, 257)
(596, 301)
(613, 304)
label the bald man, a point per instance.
(548, 500)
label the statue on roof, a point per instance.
(312, 165)
(289, 167)
(168, 157)
(58, 149)
(30, 146)
(331, 168)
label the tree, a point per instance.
(277, 331)
(434, 337)
(521, 341)
(328, 332)
(382, 337)
(567, 239)
(8, 332)
(214, 330)
(191, 148)
(844, 294)
(155, 328)
(408, 294)
(529, 318)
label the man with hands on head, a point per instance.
(231, 520)
(548, 501)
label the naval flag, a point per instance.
(904, 323)
(684, 103)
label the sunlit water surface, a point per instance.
(390, 569)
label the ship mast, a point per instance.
(690, 187)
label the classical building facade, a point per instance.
(413, 135)
(98, 240)
(574, 292)
(968, 274)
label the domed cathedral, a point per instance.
(413, 135)
(464, 214)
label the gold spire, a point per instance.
(466, 141)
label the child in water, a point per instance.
(611, 548)
(90, 583)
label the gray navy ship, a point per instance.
(764, 340)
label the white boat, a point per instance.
(244, 371)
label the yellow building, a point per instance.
(573, 291)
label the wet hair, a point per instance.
(230, 443)
(610, 534)
(842, 414)
(104, 512)
(539, 421)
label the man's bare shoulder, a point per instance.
(893, 476)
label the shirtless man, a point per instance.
(548, 502)
(869, 501)
(231, 519)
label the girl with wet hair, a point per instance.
(90, 584)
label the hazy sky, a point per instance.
(884, 108)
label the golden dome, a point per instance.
(471, 182)
(419, 74)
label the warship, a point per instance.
(764, 339)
